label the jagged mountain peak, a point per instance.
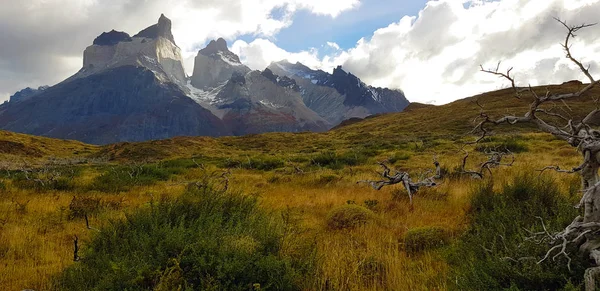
(215, 64)
(339, 95)
(218, 49)
(160, 29)
(215, 46)
(282, 81)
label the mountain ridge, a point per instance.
(133, 88)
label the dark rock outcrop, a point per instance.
(26, 94)
(283, 81)
(162, 28)
(112, 38)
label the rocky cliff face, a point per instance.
(153, 48)
(340, 95)
(129, 89)
(214, 65)
(256, 102)
(135, 88)
(249, 101)
(122, 104)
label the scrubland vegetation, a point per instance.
(284, 211)
(287, 221)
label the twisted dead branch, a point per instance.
(584, 232)
(393, 177)
(495, 159)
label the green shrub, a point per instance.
(332, 160)
(420, 239)
(264, 164)
(494, 253)
(81, 206)
(122, 178)
(511, 144)
(348, 216)
(3, 186)
(399, 156)
(60, 179)
(205, 240)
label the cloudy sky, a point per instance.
(429, 49)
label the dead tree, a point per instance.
(495, 159)
(393, 177)
(584, 232)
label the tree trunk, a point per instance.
(589, 172)
(590, 181)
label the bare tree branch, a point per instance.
(404, 178)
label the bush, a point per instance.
(332, 160)
(123, 178)
(399, 156)
(205, 240)
(59, 178)
(81, 206)
(487, 256)
(420, 239)
(348, 216)
(511, 144)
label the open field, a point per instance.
(301, 177)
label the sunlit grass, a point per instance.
(298, 174)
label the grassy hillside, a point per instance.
(19, 146)
(362, 239)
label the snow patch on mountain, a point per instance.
(203, 97)
(270, 104)
(229, 60)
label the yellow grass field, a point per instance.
(37, 227)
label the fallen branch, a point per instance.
(398, 177)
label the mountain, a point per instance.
(340, 95)
(249, 101)
(134, 88)
(215, 64)
(26, 94)
(129, 89)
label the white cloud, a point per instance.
(39, 39)
(333, 45)
(436, 55)
(261, 52)
(327, 7)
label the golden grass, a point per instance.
(36, 234)
(36, 240)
